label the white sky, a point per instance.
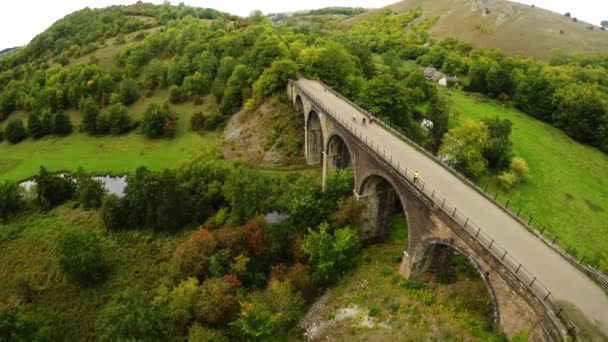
(21, 20)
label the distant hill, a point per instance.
(512, 27)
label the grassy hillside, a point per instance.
(512, 27)
(568, 189)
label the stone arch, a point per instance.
(314, 139)
(338, 154)
(299, 104)
(382, 201)
(433, 255)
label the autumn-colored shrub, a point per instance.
(256, 236)
(191, 257)
(230, 238)
(215, 303)
(299, 275)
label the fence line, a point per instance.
(474, 231)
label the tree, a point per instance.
(330, 254)
(256, 321)
(61, 124)
(90, 112)
(497, 79)
(129, 317)
(14, 131)
(581, 111)
(47, 123)
(119, 120)
(52, 190)
(19, 328)
(197, 121)
(80, 258)
(274, 78)
(154, 121)
(233, 94)
(215, 304)
(568, 14)
(462, 148)
(191, 257)
(439, 114)
(114, 212)
(331, 63)
(604, 24)
(498, 151)
(534, 95)
(89, 191)
(284, 301)
(34, 127)
(10, 199)
(247, 193)
(177, 94)
(384, 96)
(127, 91)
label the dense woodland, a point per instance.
(235, 275)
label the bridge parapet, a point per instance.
(553, 313)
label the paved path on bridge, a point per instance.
(561, 278)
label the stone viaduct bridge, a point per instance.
(527, 281)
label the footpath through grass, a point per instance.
(567, 193)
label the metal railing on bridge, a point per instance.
(486, 241)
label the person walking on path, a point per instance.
(416, 176)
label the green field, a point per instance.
(568, 189)
(108, 154)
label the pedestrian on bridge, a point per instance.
(416, 176)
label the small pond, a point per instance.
(114, 185)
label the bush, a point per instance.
(256, 321)
(34, 127)
(191, 257)
(129, 317)
(52, 190)
(507, 180)
(16, 327)
(89, 191)
(10, 199)
(284, 301)
(90, 113)
(14, 131)
(213, 121)
(179, 301)
(102, 124)
(127, 91)
(199, 333)
(520, 168)
(61, 124)
(215, 304)
(80, 258)
(113, 212)
(119, 120)
(155, 121)
(177, 94)
(330, 254)
(197, 121)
